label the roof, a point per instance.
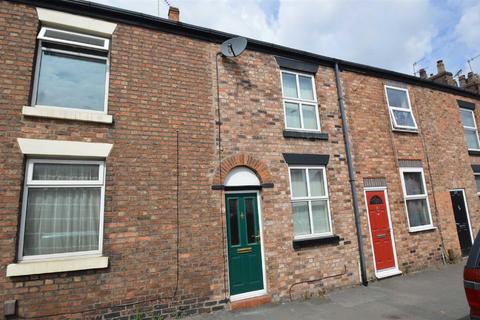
(100, 11)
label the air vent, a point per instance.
(73, 38)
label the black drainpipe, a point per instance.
(351, 173)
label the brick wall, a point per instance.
(161, 84)
(252, 116)
(439, 144)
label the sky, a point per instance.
(391, 34)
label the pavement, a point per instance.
(435, 294)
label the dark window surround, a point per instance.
(407, 131)
(474, 152)
(466, 105)
(297, 65)
(306, 159)
(305, 135)
(304, 243)
(476, 168)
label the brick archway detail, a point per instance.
(243, 160)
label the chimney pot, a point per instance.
(423, 73)
(462, 80)
(173, 14)
(440, 67)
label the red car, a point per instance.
(471, 279)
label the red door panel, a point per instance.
(380, 230)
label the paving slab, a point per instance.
(435, 294)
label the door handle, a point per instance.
(381, 236)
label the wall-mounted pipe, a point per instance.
(351, 174)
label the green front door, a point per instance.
(244, 246)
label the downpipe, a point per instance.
(351, 174)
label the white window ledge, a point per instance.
(72, 21)
(26, 268)
(68, 114)
(39, 147)
(413, 230)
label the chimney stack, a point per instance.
(443, 76)
(423, 73)
(440, 67)
(471, 83)
(173, 14)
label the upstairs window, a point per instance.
(416, 199)
(71, 71)
(470, 129)
(300, 101)
(400, 109)
(310, 203)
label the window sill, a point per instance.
(26, 268)
(310, 242)
(305, 135)
(429, 228)
(68, 114)
(414, 131)
(472, 152)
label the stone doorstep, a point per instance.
(250, 302)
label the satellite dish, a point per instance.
(233, 47)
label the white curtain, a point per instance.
(65, 171)
(60, 220)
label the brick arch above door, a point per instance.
(243, 160)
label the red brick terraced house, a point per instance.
(145, 173)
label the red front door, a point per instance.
(380, 230)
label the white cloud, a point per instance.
(467, 32)
(389, 34)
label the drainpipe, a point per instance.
(351, 173)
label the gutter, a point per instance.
(99, 11)
(351, 174)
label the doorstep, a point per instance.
(250, 302)
(386, 273)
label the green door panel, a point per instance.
(244, 246)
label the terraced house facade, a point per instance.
(144, 172)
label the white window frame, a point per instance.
(300, 101)
(416, 197)
(29, 183)
(309, 199)
(393, 121)
(41, 38)
(470, 128)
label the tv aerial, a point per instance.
(233, 47)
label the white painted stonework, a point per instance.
(54, 18)
(241, 176)
(51, 266)
(40, 147)
(68, 114)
